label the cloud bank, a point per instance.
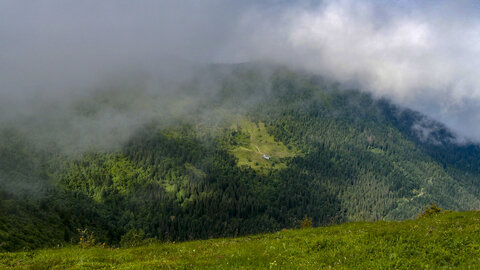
(423, 55)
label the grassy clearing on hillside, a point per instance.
(446, 240)
(256, 143)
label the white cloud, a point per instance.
(425, 55)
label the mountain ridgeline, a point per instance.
(264, 151)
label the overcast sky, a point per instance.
(423, 55)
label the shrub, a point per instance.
(133, 238)
(87, 239)
(306, 223)
(433, 210)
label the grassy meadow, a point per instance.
(255, 142)
(446, 240)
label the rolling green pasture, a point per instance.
(446, 240)
(255, 142)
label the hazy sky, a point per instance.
(423, 55)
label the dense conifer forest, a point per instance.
(334, 155)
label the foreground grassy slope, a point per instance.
(450, 239)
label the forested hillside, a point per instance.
(263, 151)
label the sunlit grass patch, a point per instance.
(258, 149)
(445, 240)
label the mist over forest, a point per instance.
(412, 53)
(124, 124)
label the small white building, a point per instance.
(266, 157)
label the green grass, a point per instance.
(258, 142)
(377, 151)
(447, 240)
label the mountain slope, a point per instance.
(335, 155)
